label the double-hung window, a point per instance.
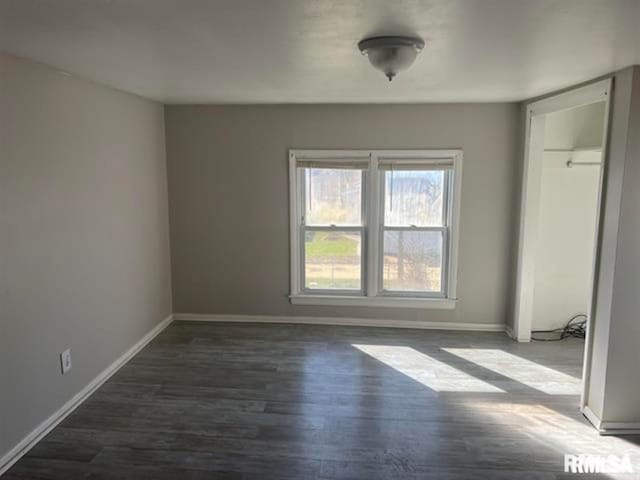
(374, 227)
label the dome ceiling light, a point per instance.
(391, 54)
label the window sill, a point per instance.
(357, 301)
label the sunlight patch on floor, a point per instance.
(426, 370)
(526, 372)
(551, 429)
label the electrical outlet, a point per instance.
(65, 361)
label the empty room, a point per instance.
(319, 239)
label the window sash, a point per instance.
(304, 228)
(444, 229)
(446, 200)
(302, 183)
(303, 264)
(442, 293)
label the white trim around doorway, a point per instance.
(532, 171)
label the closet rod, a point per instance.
(572, 150)
(571, 164)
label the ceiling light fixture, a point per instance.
(391, 54)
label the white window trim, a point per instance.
(371, 267)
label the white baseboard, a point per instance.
(592, 417)
(631, 428)
(13, 455)
(508, 329)
(352, 322)
(611, 428)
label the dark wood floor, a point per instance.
(247, 401)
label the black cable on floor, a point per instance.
(574, 328)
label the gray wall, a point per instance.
(228, 199)
(83, 234)
(614, 385)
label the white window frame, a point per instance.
(372, 293)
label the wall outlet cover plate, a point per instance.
(65, 361)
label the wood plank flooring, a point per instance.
(258, 401)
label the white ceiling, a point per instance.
(304, 51)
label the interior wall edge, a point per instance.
(84, 234)
(608, 240)
(5, 55)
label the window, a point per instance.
(374, 228)
(333, 229)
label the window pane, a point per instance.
(414, 197)
(333, 196)
(412, 261)
(332, 260)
